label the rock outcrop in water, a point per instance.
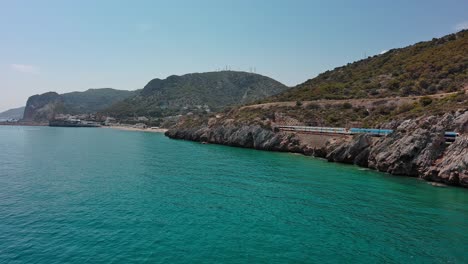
(417, 148)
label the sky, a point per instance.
(68, 45)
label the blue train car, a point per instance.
(451, 134)
(386, 131)
(328, 130)
(372, 131)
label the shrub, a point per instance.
(313, 106)
(423, 84)
(347, 105)
(394, 84)
(405, 108)
(373, 92)
(425, 101)
(383, 110)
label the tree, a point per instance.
(423, 84)
(347, 105)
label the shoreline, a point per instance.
(22, 124)
(157, 130)
(404, 152)
(432, 182)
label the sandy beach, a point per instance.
(151, 130)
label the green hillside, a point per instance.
(93, 100)
(436, 66)
(427, 78)
(196, 92)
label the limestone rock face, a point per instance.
(354, 152)
(239, 136)
(413, 147)
(406, 153)
(42, 108)
(460, 122)
(452, 168)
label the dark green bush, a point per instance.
(425, 101)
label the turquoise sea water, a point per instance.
(70, 195)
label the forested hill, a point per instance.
(430, 67)
(93, 100)
(197, 92)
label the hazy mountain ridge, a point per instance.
(14, 113)
(41, 108)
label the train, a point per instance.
(329, 130)
(449, 135)
(337, 130)
(372, 131)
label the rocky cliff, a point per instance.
(41, 108)
(417, 148)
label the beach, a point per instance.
(126, 128)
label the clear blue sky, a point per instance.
(68, 45)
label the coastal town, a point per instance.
(90, 120)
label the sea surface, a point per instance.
(90, 195)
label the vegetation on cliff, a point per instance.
(427, 78)
(430, 67)
(93, 100)
(357, 112)
(335, 113)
